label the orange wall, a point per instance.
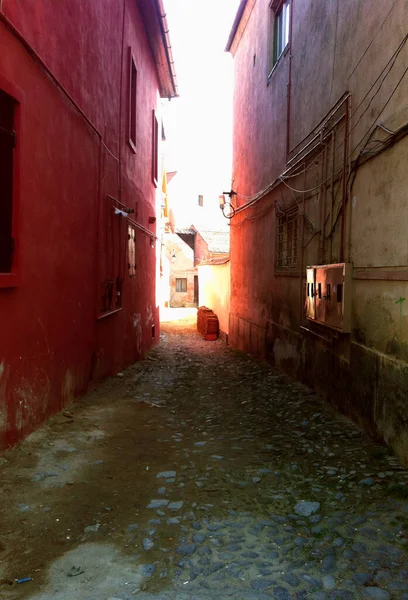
(214, 286)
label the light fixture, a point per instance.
(226, 206)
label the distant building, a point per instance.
(80, 183)
(319, 171)
(185, 250)
(214, 285)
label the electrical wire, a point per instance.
(370, 44)
(353, 172)
(269, 187)
(392, 61)
(355, 147)
(259, 215)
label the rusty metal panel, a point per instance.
(339, 306)
(335, 279)
(320, 291)
(328, 295)
(310, 293)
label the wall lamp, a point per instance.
(226, 206)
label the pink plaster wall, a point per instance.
(52, 342)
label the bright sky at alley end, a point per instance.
(199, 123)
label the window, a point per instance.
(132, 102)
(181, 285)
(287, 239)
(280, 21)
(200, 200)
(113, 258)
(111, 295)
(155, 149)
(7, 145)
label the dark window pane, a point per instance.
(7, 138)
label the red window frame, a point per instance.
(13, 277)
(132, 129)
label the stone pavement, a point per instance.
(202, 473)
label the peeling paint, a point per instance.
(3, 398)
(137, 326)
(32, 399)
(68, 388)
(149, 315)
(25, 407)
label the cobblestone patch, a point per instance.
(257, 489)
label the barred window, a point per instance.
(287, 228)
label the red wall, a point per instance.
(259, 132)
(52, 342)
(200, 249)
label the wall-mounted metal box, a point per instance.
(328, 295)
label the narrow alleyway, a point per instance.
(201, 473)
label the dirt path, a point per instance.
(201, 473)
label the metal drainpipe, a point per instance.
(345, 169)
(120, 105)
(333, 145)
(302, 251)
(322, 200)
(349, 220)
(289, 87)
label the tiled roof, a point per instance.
(215, 261)
(217, 241)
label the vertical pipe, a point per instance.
(345, 183)
(321, 205)
(289, 85)
(100, 206)
(350, 205)
(120, 105)
(332, 193)
(326, 156)
(302, 237)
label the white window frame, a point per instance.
(280, 30)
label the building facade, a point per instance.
(214, 284)
(320, 181)
(185, 250)
(181, 273)
(80, 95)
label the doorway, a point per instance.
(196, 290)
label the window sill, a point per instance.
(108, 314)
(10, 280)
(278, 62)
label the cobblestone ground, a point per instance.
(201, 473)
